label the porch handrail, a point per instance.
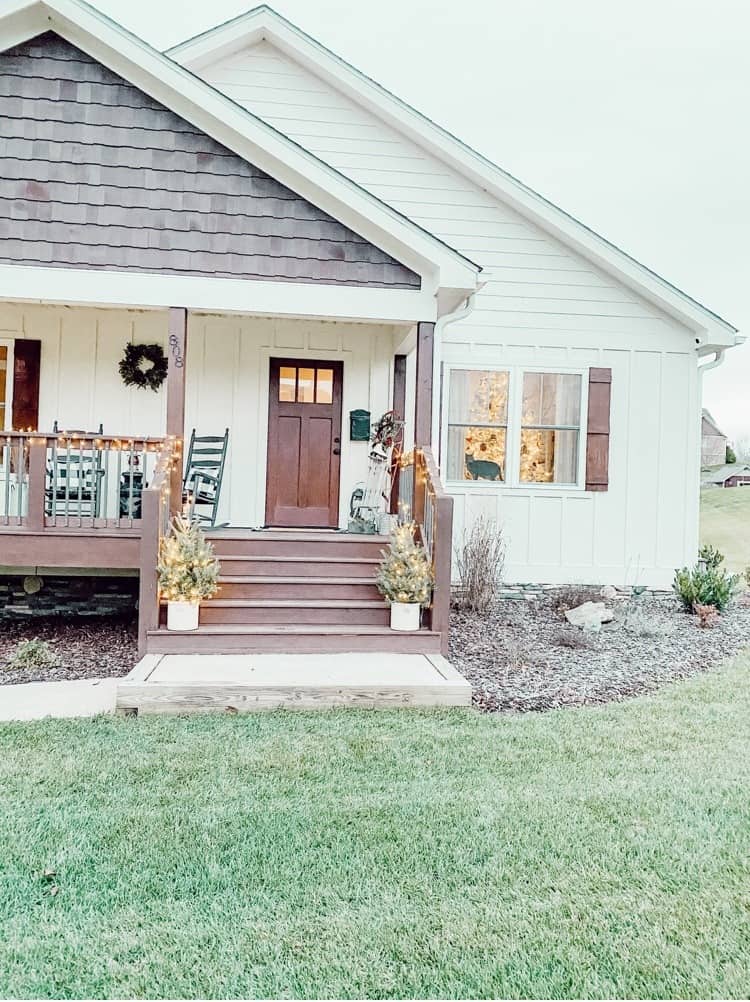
(431, 508)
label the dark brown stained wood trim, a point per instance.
(314, 462)
(26, 369)
(177, 358)
(95, 174)
(37, 484)
(598, 429)
(399, 409)
(148, 556)
(423, 396)
(24, 548)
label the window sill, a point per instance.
(494, 486)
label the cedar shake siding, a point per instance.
(95, 174)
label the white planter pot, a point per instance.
(182, 615)
(405, 616)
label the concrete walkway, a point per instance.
(80, 698)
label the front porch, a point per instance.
(293, 579)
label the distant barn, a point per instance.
(713, 442)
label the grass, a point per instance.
(597, 852)
(725, 523)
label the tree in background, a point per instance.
(731, 456)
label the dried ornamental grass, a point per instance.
(480, 561)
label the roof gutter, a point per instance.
(437, 361)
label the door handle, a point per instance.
(337, 452)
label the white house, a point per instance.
(320, 243)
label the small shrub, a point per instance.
(705, 585)
(480, 560)
(710, 556)
(638, 622)
(34, 653)
(576, 640)
(188, 570)
(572, 596)
(707, 615)
(405, 573)
(746, 575)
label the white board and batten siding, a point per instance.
(544, 306)
(226, 377)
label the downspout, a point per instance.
(437, 388)
(717, 360)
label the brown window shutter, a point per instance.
(597, 431)
(26, 358)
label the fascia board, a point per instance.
(263, 22)
(88, 287)
(250, 137)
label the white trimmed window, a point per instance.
(516, 426)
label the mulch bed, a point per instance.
(84, 648)
(524, 656)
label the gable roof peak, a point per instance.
(263, 22)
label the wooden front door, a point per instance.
(304, 443)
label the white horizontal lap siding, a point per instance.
(543, 305)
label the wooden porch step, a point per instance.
(294, 612)
(316, 545)
(232, 638)
(281, 586)
(297, 566)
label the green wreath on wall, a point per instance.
(144, 365)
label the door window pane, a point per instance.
(305, 386)
(550, 427)
(324, 387)
(477, 422)
(287, 383)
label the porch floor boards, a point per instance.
(238, 683)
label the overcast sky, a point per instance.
(632, 116)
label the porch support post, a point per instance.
(423, 394)
(37, 483)
(176, 399)
(399, 409)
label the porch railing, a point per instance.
(423, 499)
(73, 480)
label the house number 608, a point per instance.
(174, 347)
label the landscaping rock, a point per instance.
(590, 615)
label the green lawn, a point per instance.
(597, 852)
(725, 523)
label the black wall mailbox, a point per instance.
(359, 426)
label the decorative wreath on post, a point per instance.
(144, 365)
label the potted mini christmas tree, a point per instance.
(188, 572)
(405, 578)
